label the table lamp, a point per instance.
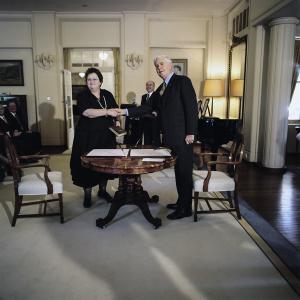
(213, 88)
(237, 90)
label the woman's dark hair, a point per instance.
(93, 70)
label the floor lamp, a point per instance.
(213, 88)
(237, 90)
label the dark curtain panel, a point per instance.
(296, 68)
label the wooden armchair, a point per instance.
(209, 181)
(46, 183)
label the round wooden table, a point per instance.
(130, 190)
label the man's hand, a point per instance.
(189, 139)
(121, 112)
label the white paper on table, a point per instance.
(125, 151)
(149, 152)
(106, 152)
(153, 159)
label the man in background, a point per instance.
(150, 122)
(27, 142)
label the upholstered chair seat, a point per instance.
(219, 181)
(34, 184)
(47, 184)
(213, 185)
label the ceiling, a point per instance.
(203, 7)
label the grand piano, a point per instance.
(214, 132)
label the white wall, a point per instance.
(90, 33)
(49, 95)
(15, 34)
(201, 40)
(28, 89)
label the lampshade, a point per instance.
(214, 88)
(237, 88)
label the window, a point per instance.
(294, 108)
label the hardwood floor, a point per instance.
(275, 195)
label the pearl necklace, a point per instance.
(105, 104)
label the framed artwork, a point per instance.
(11, 73)
(180, 66)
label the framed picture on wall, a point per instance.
(180, 66)
(11, 73)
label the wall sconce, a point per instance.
(81, 74)
(213, 88)
(237, 90)
(134, 60)
(45, 61)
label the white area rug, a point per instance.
(211, 259)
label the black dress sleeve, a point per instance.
(111, 102)
(83, 102)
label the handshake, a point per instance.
(115, 112)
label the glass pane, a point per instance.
(294, 108)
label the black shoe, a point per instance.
(105, 195)
(179, 214)
(172, 206)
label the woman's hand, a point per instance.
(112, 112)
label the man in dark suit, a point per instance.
(5, 126)
(176, 104)
(27, 142)
(150, 122)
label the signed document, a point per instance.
(161, 152)
(150, 152)
(106, 152)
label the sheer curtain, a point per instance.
(117, 74)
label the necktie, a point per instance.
(162, 90)
(147, 98)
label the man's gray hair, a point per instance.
(163, 57)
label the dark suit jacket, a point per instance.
(15, 123)
(150, 102)
(5, 127)
(177, 109)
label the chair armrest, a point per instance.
(214, 162)
(34, 156)
(45, 161)
(32, 166)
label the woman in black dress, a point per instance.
(96, 109)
